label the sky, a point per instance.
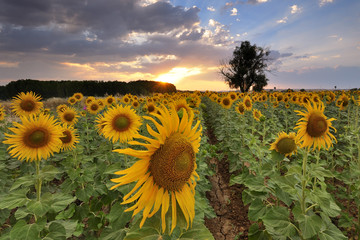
(314, 44)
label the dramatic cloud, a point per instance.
(55, 22)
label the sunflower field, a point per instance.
(186, 165)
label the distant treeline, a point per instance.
(67, 88)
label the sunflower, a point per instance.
(247, 103)
(280, 97)
(69, 116)
(150, 107)
(330, 97)
(135, 104)
(101, 103)
(256, 114)
(110, 100)
(26, 104)
(233, 96)
(342, 102)
(70, 138)
(182, 104)
(166, 170)
(313, 127)
(72, 100)
(78, 96)
(316, 98)
(120, 124)
(240, 108)
(93, 107)
(89, 100)
(2, 114)
(125, 99)
(60, 108)
(285, 144)
(34, 138)
(226, 102)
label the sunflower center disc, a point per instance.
(316, 126)
(121, 123)
(151, 108)
(247, 103)
(286, 145)
(27, 105)
(345, 103)
(94, 107)
(37, 138)
(226, 102)
(69, 117)
(67, 137)
(173, 163)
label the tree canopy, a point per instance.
(67, 88)
(247, 67)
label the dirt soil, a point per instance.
(231, 221)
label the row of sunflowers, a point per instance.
(152, 147)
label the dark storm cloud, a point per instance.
(59, 21)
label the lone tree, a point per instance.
(246, 68)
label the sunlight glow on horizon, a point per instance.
(176, 74)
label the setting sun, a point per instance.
(176, 74)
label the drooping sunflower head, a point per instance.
(285, 144)
(342, 102)
(330, 97)
(165, 172)
(314, 127)
(26, 104)
(119, 124)
(69, 116)
(35, 138)
(69, 138)
(247, 103)
(256, 114)
(240, 108)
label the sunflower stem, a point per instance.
(317, 163)
(38, 180)
(303, 183)
(264, 134)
